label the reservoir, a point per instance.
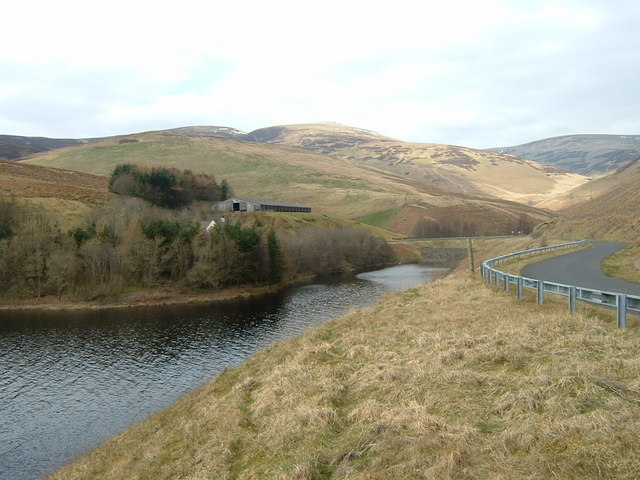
(70, 380)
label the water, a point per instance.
(71, 380)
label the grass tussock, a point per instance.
(448, 380)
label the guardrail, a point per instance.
(621, 301)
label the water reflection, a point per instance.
(70, 380)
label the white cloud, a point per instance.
(478, 73)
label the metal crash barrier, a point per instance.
(621, 301)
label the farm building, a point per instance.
(232, 205)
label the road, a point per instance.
(582, 268)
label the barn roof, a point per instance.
(272, 203)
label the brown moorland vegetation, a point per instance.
(335, 186)
(448, 380)
(608, 209)
(455, 168)
(63, 194)
(33, 181)
(587, 154)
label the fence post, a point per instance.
(573, 296)
(540, 292)
(621, 303)
(520, 288)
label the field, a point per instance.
(330, 185)
(449, 380)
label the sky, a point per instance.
(474, 73)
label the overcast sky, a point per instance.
(474, 73)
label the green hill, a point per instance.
(329, 184)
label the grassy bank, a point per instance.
(624, 264)
(448, 380)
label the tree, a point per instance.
(276, 259)
(224, 190)
(166, 187)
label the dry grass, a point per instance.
(605, 209)
(32, 181)
(330, 185)
(624, 264)
(460, 169)
(65, 194)
(448, 380)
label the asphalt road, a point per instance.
(582, 269)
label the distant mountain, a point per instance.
(330, 184)
(590, 155)
(454, 168)
(13, 147)
(323, 137)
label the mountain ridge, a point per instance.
(329, 184)
(588, 154)
(454, 168)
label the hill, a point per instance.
(453, 168)
(605, 208)
(64, 193)
(206, 131)
(330, 184)
(590, 155)
(13, 147)
(458, 169)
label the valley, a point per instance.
(428, 380)
(333, 184)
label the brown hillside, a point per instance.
(459, 169)
(32, 181)
(329, 184)
(12, 151)
(64, 193)
(606, 208)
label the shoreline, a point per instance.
(159, 297)
(142, 298)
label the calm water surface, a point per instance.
(71, 380)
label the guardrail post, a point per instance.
(573, 297)
(520, 288)
(506, 282)
(540, 292)
(621, 303)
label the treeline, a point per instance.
(129, 244)
(430, 228)
(166, 187)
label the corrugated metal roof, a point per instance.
(271, 203)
